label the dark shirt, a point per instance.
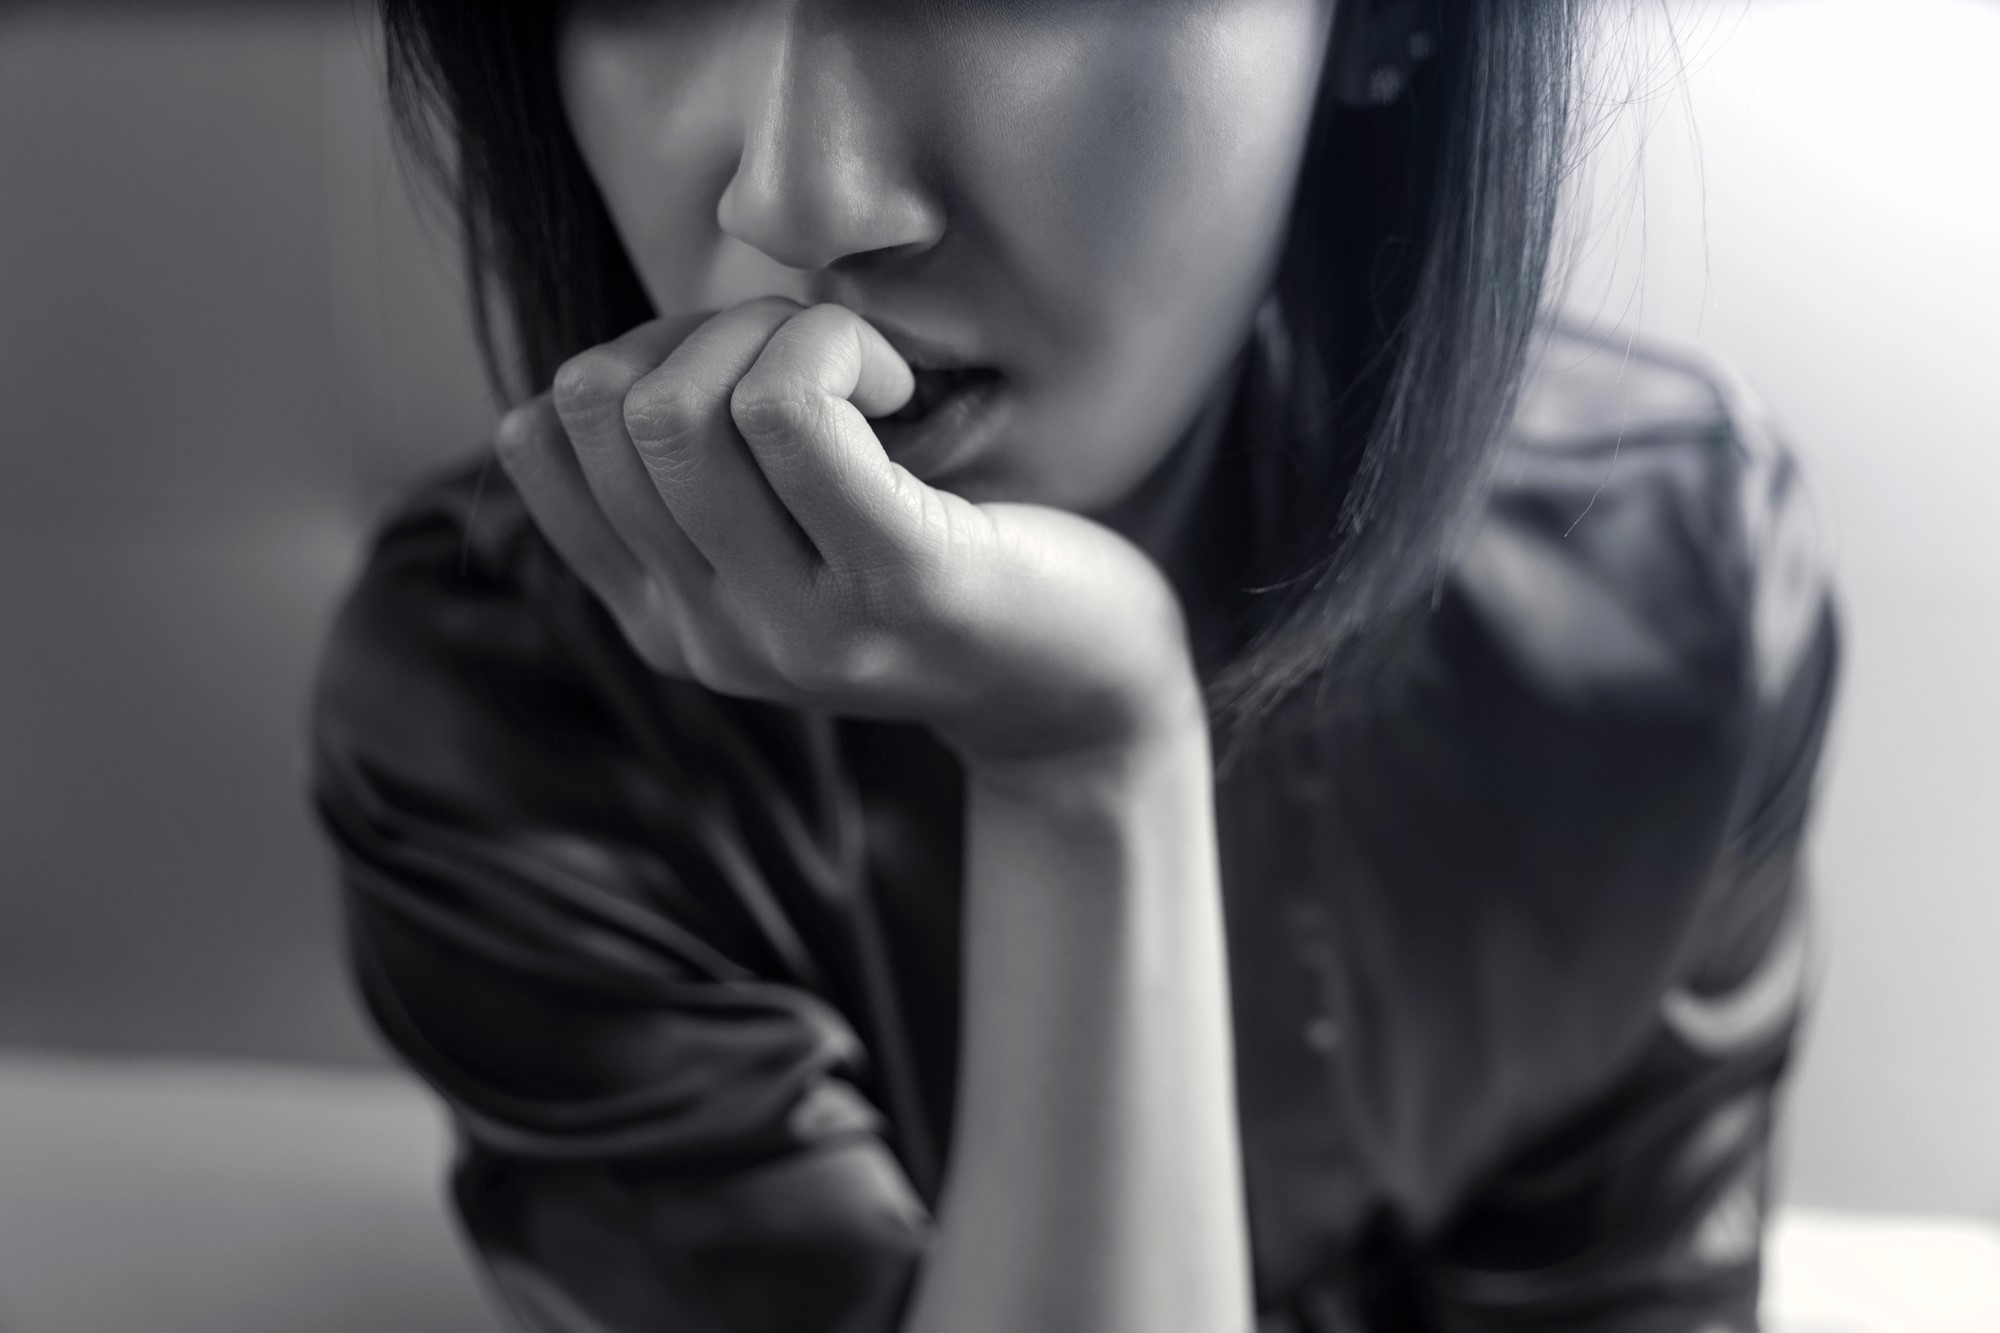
(1516, 952)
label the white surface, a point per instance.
(1847, 1273)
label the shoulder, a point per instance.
(1635, 640)
(472, 691)
(1649, 586)
(1650, 543)
(1620, 687)
(447, 657)
(458, 537)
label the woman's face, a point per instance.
(1086, 196)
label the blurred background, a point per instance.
(228, 337)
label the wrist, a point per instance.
(1131, 746)
(1121, 680)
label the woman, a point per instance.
(780, 806)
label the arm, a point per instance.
(655, 1139)
(721, 490)
(1096, 1183)
(653, 1135)
(662, 1120)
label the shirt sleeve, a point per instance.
(1643, 1210)
(596, 911)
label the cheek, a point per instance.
(1153, 196)
(1108, 153)
(1193, 168)
(646, 109)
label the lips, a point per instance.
(957, 409)
(934, 386)
(954, 417)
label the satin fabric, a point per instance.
(1516, 952)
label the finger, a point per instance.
(801, 410)
(678, 418)
(883, 381)
(537, 456)
(589, 396)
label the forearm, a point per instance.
(1095, 1183)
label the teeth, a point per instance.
(920, 403)
(932, 387)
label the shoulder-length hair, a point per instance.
(1409, 291)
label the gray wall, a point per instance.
(224, 339)
(1819, 202)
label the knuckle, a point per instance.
(711, 664)
(655, 650)
(869, 659)
(865, 660)
(592, 381)
(648, 638)
(761, 408)
(800, 662)
(515, 438)
(834, 653)
(652, 626)
(659, 417)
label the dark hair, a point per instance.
(1410, 290)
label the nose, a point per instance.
(824, 174)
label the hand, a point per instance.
(714, 480)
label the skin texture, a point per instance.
(734, 511)
(1088, 197)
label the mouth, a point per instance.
(935, 387)
(953, 416)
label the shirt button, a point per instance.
(1322, 1034)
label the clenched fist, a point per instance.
(716, 483)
